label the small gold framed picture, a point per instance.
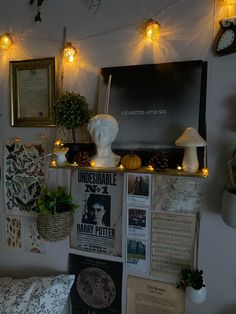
(32, 92)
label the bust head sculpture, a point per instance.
(103, 129)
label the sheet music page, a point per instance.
(172, 244)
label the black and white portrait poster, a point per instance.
(98, 220)
(97, 286)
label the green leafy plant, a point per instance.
(231, 184)
(37, 17)
(55, 200)
(190, 278)
(71, 111)
(94, 5)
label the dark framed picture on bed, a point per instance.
(154, 103)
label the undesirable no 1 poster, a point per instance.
(98, 220)
(97, 286)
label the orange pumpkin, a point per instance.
(131, 161)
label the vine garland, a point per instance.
(94, 5)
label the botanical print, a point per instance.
(33, 241)
(13, 232)
(23, 175)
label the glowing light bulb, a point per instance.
(229, 2)
(6, 41)
(121, 166)
(92, 163)
(53, 163)
(205, 171)
(152, 30)
(150, 167)
(58, 143)
(179, 167)
(69, 53)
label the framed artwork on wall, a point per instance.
(153, 104)
(32, 92)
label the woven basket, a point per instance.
(55, 227)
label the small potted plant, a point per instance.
(55, 213)
(228, 206)
(71, 112)
(192, 281)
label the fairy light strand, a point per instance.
(115, 29)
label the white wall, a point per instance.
(188, 31)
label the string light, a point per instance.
(152, 30)
(92, 163)
(53, 163)
(6, 41)
(205, 171)
(69, 52)
(150, 167)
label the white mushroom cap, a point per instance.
(190, 137)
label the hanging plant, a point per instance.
(37, 17)
(94, 5)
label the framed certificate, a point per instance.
(32, 92)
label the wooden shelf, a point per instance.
(169, 172)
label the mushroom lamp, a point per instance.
(190, 140)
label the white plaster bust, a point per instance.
(103, 129)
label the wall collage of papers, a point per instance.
(131, 234)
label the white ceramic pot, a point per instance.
(196, 296)
(228, 208)
(60, 157)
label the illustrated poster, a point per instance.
(97, 286)
(98, 220)
(33, 242)
(23, 175)
(13, 232)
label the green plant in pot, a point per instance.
(55, 213)
(228, 205)
(192, 280)
(71, 112)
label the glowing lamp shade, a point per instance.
(6, 41)
(152, 30)
(69, 53)
(229, 2)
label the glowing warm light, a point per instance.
(179, 167)
(205, 171)
(121, 166)
(150, 167)
(6, 41)
(152, 30)
(229, 2)
(75, 164)
(69, 53)
(58, 143)
(92, 163)
(53, 163)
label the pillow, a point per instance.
(35, 295)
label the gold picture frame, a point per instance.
(32, 92)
